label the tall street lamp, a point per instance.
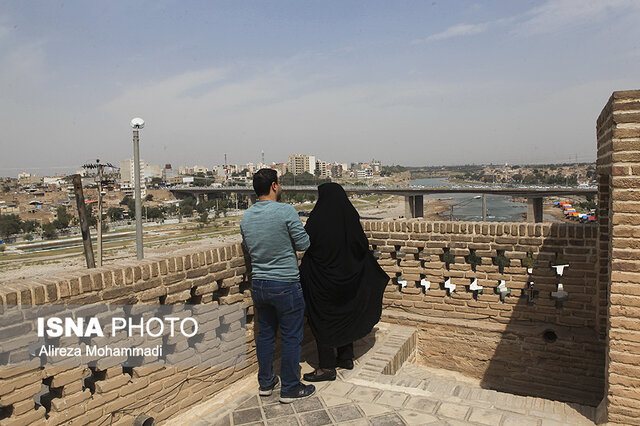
(137, 124)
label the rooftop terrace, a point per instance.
(564, 349)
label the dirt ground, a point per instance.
(67, 264)
(52, 265)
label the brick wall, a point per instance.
(115, 395)
(618, 132)
(501, 342)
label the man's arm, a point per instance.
(244, 241)
(296, 230)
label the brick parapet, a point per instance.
(220, 274)
(117, 394)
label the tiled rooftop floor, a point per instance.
(412, 396)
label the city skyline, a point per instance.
(413, 84)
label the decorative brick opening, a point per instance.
(501, 261)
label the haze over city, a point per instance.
(412, 83)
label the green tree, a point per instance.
(389, 170)
(187, 205)
(186, 210)
(93, 221)
(131, 205)
(10, 224)
(63, 218)
(115, 213)
(204, 218)
(155, 213)
(29, 226)
(149, 197)
(171, 209)
(49, 231)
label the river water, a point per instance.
(467, 207)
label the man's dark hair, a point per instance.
(262, 180)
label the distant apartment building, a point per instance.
(251, 168)
(300, 163)
(365, 173)
(151, 172)
(185, 170)
(218, 170)
(200, 169)
(281, 168)
(54, 181)
(337, 170)
(127, 172)
(168, 173)
(9, 207)
(323, 169)
(29, 179)
(376, 166)
(127, 177)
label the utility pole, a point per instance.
(101, 181)
(84, 221)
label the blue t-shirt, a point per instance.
(272, 233)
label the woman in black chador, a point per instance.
(341, 281)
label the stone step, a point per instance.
(393, 345)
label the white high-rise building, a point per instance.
(127, 172)
(127, 176)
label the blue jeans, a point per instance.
(278, 304)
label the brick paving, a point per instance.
(412, 395)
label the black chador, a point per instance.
(341, 280)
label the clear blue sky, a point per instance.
(405, 82)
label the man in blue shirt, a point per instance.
(272, 233)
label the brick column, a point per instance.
(618, 130)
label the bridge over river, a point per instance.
(413, 195)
